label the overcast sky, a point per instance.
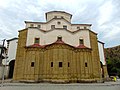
(104, 15)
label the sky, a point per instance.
(104, 15)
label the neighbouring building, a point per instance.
(59, 51)
(10, 54)
(12, 48)
(2, 58)
(102, 60)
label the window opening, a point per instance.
(37, 40)
(60, 64)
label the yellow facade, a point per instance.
(84, 63)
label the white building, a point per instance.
(58, 23)
(9, 61)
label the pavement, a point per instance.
(8, 85)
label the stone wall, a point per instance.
(35, 63)
(20, 56)
(95, 56)
(42, 59)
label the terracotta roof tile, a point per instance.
(58, 42)
(81, 46)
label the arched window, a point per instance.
(59, 37)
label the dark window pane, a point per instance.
(68, 64)
(65, 27)
(32, 64)
(36, 40)
(61, 16)
(59, 37)
(39, 26)
(81, 41)
(52, 26)
(60, 64)
(31, 25)
(78, 27)
(51, 64)
(55, 16)
(58, 22)
(85, 64)
(85, 27)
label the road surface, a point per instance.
(72, 86)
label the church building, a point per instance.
(59, 51)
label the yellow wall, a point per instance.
(42, 58)
(56, 54)
(95, 56)
(20, 56)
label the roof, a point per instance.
(101, 42)
(34, 22)
(58, 19)
(83, 24)
(81, 46)
(60, 29)
(58, 12)
(12, 39)
(47, 21)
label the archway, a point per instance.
(11, 68)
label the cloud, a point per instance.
(104, 15)
(105, 12)
(109, 21)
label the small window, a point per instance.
(58, 22)
(37, 40)
(59, 37)
(32, 64)
(31, 25)
(78, 27)
(85, 64)
(60, 64)
(55, 16)
(39, 26)
(65, 27)
(81, 41)
(68, 64)
(52, 26)
(51, 64)
(85, 27)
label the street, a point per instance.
(72, 86)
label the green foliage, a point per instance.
(113, 60)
